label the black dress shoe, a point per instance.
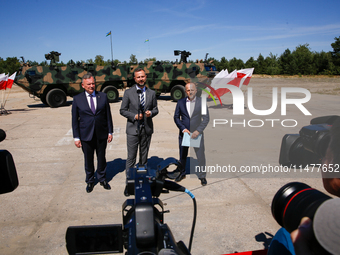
(89, 187)
(105, 185)
(203, 181)
(180, 177)
(126, 192)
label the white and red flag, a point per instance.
(236, 78)
(10, 81)
(3, 81)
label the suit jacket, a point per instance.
(129, 109)
(196, 122)
(85, 123)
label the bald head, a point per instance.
(191, 90)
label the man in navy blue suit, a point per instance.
(92, 129)
(189, 119)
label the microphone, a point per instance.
(2, 135)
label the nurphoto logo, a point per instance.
(239, 105)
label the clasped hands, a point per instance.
(140, 116)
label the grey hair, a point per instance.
(88, 76)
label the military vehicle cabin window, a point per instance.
(31, 73)
(210, 68)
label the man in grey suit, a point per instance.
(135, 98)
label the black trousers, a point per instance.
(89, 147)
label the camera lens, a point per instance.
(294, 201)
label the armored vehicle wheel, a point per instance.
(55, 98)
(177, 92)
(112, 93)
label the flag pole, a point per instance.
(111, 47)
(2, 107)
(149, 48)
(9, 91)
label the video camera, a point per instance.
(309, 146)
(143, 230)
(8, 174)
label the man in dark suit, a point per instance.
(189, 119)
(138, 97)
(92, 129)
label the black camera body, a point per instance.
(309, 146)
(296, 200)
(8, 174)
(143, 230)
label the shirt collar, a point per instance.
(143, 89)
(87, 94)
(192, 101)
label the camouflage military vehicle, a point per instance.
(52, 84)
(165, 77)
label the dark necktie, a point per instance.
(142, 101)
(92, 104)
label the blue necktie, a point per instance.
(92, 104)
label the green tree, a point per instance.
(222, 64)
(9, 66)
(251, 63)
(149, 59)
(304, 59)
(43, 63)
(261, 65)
(323, 63)
(90, 61)
(336, 54)
(272, 64)
(235, 63)
(287, 63)
(133, 59)
(99, 60)
(115, 62)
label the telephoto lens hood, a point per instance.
(296, 200)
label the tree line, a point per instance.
(300, 61)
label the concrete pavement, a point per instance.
(233, 212)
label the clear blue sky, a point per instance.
(242, 29)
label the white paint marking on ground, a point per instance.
(66, 140)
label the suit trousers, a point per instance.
(88, 148)
(132, 147)
(183, 154)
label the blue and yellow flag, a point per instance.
(108, 33)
